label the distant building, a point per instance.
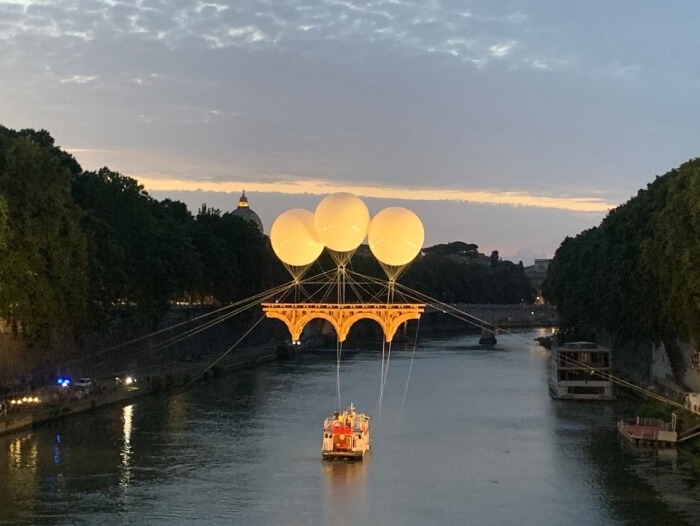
(537, 274)
(244, 211)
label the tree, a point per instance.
(622, 277)
(673, 253)
(237, 259)
(456, 281)
(141, 251)
(43, 139)
(3, 223)
(43, 269)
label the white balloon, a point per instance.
(341, 221)
(395, 236)
(294, 239)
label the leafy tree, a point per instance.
(237, 259)
(43, 267)
(454, 248)
(673, 253)
(141, 251)
(43, 139)
(454, 281)
(3, 223)
(603, 279)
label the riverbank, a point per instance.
(152, 380)
(246, 449)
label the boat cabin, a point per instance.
(580, 371)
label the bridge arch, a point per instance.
(343, 316)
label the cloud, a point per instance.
(79, 79)
(410, 27)
(293, 186)
(501, 50)
(627, 72)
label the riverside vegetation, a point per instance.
(79, 249)
(637, 274)
(635, 278)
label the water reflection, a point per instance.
(57, 450)
(23, 454)
(344, 491)
(19, 479)
(127, 417)
(246, 450)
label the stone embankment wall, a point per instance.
(190, 333)
(187, 334)
(168, 378)
(674, 365)
(684, 375)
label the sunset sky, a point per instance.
(509, 124)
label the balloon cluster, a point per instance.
(341, 222)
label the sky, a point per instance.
(509, 124)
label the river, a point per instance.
(472, 438)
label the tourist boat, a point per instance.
(580, 371)
(346, 435)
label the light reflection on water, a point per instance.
(479, 441)
(127, 417)
(345, 489)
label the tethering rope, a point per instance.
(327, 279)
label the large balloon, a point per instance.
(341, 221)
(395, 236)
(294, 239)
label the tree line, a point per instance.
(637, 274)
(78, 248)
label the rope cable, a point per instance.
(410, 366)
(223, 355)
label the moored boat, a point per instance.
(346, 435)
(580, 371)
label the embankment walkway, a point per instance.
(152, 380)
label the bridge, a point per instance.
(391, 316)
(342, 316)
(504, 316)
(491, 318)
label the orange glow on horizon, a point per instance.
(314, 187)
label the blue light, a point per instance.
(59, 381)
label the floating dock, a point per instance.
(649, 432)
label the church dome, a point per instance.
(244, 211)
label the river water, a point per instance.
(472, 438)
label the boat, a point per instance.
(346, 435)
(580, 371)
